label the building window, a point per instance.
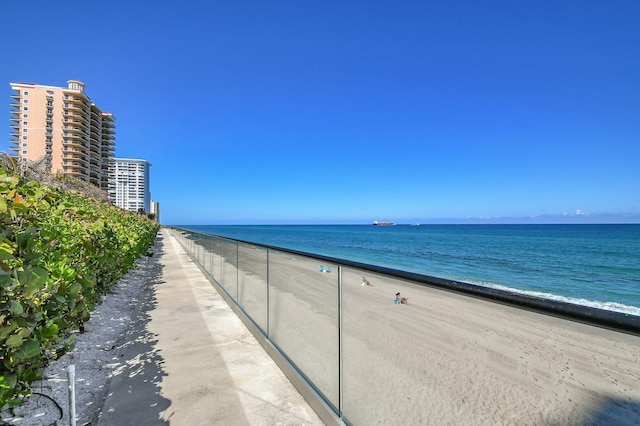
(24, 145)
(25, 137)
(26, 108)
(25, 115)
(25, 123)
(26, 101)
(24, 152)
(25, 130)
(26, 93)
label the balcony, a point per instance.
(73, 106)
(77, 173)
(74, 143)
(74, 153)
(71, 156)
(76, 166)
(73, 99)
(84, 124)
(74, 131)
(78, 101)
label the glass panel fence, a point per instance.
(216, 258)
(229, 268)
(381, 348)
(252, 283)
(206, 262)
(200, 250)
(303, 317)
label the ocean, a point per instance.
(593, 265)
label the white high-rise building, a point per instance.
(130, 189)
(155, 209)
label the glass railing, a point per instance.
(454, 353)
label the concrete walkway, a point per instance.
(191, 361)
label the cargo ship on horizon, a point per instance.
(376, 223)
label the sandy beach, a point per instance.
(443, 358)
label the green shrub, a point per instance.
(59, 252)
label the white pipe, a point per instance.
(71, 377)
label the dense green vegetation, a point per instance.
(59, 252)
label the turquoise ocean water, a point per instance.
(594, 265)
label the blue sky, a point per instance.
(354, 111)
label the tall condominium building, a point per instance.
(131, 190)
(155, 209)
(64, 126)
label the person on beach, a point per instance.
(401, 300)
(366, 283)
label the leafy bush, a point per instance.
(59, 252)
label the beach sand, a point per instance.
(443, 358)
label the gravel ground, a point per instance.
(96, 355)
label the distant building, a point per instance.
(62, 125)
(131, 185)
(155, 209)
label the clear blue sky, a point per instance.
(352, 111)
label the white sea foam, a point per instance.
(608, 306)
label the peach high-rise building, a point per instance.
(63, 125)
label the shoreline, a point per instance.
(560, 265)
